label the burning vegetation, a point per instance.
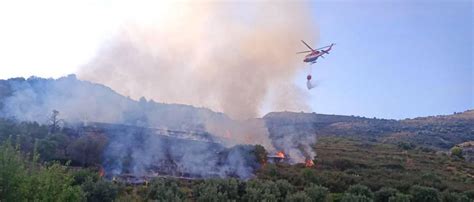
(146, 139)
(309, 163)
(136, 155)
(280, 154)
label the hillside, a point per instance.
(437, 132)
(344, 161)
(111, 146)
(34, 98)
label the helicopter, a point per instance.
(312, 58)
(315, 53)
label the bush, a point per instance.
(298, 197)
(317, 193)
(450, 196)
(164, 190)
(405, 145)
(24, 180)
(384, 194)
(456, 151)
(260, 154)
(284, 187)
(355, 198)
(343, 164)
(400, 198)
(82, 175)
(100, 190)
(257, 190)
(424, 194)
(469, 195)
(360, 190)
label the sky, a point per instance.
(395, 59)
(392, 59)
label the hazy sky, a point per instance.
(393, 59)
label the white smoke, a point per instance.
(223, 56)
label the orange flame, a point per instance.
(280, 154)
(101, 172)
(309, 163)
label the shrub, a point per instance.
(343, 164)
(100, 190)
(405, 145)
(317, 193)
(424, 194)
(456, 151)
(360, 190)
(164, 190)
(355, 198)
(284, 187)
(450, 196)
(298, 197)
(469, 194)
(24, 180)
(400, 198)
(384, 194)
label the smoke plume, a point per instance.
(224, 56)
(230, 57)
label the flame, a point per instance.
(101, 172)
(280, 154)
(309, 163)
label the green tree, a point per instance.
(260, 154)
(400, 198)
(87, 150)
(447, 196)
(252, 194)
(99, 190)
(164, 190)
(348, 197)
(317, 193)
(217, 190)
(257, 190)
(456, 151)
(284, 188)
(24, 180)
(360, 190)
(469, 194)
(54, 121)
(405, 145)
(298, 197)
(54, 183)
(384, 194)
(424, 194)
(13, 174)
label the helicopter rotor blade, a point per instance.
(307, 45)
(323, 47)
(303, 52)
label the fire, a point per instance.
(280, 154)
(309, 163)
(101, 171)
